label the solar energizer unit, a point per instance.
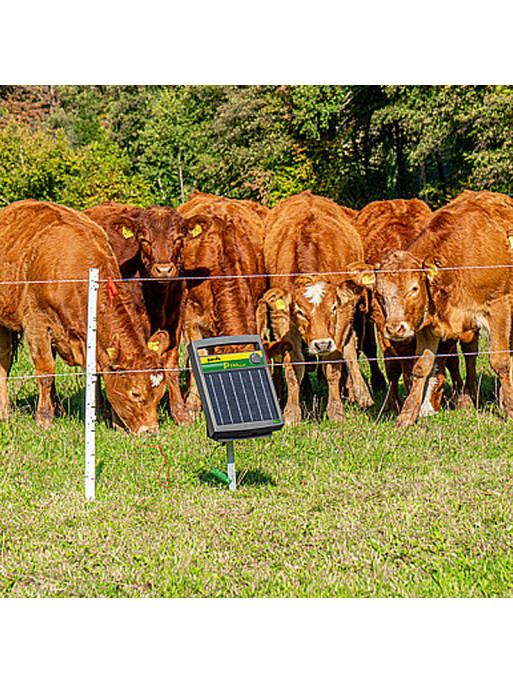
(236, 390)
(235, 387)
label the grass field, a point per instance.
(321, 510)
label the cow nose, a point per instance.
(395, 329)
(323, 346)
(148, 429)
(163, 271)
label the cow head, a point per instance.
(323, 311)
(160, 232)
(135, 395)
(403, 290)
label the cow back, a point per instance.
(388, 225)
(227, 241)
(308, 234)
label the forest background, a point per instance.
(82, 144)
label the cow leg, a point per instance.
(393, 369)
(193, 403)
(41, 352)
(348, 386)
(190, 332)
(294, 372)
(277, 375)
(176, 403)
(500, 360)
(370, 349)
(359, 386)
(5, 367)
(335, 407)
(427, 345)
(434, 390)
(468, 398)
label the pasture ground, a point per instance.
(359, 509)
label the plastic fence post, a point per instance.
(230, 458)
(90, 394)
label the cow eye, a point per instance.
(145, 244)
(414, 289)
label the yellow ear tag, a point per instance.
(280, 304)
(154, 346)
(127, 233)
(196, 230)
(111, 351)
(433, 270)
(368, 279)
(511, 241)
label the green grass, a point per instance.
(321, 510)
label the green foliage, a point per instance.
(41, 164)
(353, 143)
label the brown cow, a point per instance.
(225, 239)
(42, 241)
(453, 279)
(307, 234)
(148, 244)
(383, 227)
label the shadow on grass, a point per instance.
(250, 478)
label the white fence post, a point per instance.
(90, 393)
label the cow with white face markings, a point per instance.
(311, 239)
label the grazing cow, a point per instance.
(148, 244)
(453, 279)
(307, 234)
(45, 243)
(225, 239)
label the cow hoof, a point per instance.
(336, 414)
(405, 420)
(186, 419)
(44, 422)
(465, 402)
(189, 417)
(292, 416)
(426, 410)
(366, 402)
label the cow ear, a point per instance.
(430, 266)
(127, 227)
(275, 299)
(197, 225)
(278, 299)
(361, 274)
(159, 342)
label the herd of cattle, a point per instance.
(315, 279)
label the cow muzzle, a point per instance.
(147, 429)
(398, 331)
(325, 346)
(163, 271)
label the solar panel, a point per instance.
(235, 387)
